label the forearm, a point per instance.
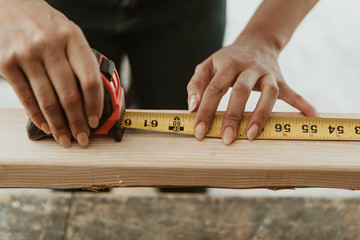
(275, 21)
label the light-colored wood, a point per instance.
(156, 159)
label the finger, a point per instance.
(65, 84)
(24, 92)
(198, 83)
(239, 96)
(85, 66)
(47, 100)
(210, 100)
(269, 94)
(296, 100)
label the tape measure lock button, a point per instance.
(107, 68)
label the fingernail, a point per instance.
(193, 103)
(93, 121)
(228, 136)
(252, 132)
(200, 131)
(64, 141)
(83, 139)
(45, 127)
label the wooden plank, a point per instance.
(156, 159)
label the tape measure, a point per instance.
(295, 128)
(114, 118)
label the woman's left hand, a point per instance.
(251, 63)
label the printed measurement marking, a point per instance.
(301, 128)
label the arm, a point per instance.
(45, 57)
(250, 63)
(275, 21)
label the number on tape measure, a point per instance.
(297, 128)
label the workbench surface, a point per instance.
(77, 216)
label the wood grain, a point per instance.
(156, 159)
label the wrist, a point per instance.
(263, 39)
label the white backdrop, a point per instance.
(322, 60)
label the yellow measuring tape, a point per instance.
(296, 128)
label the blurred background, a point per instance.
(321, 62)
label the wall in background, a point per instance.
(322, 60)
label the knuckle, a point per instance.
(312, 109)
(261, 115)
(56, 58)
(216, 88)
(42, 39)
(233, 117)
(26, 97)
(232, 62)
(78, 125)
(69, 29)
(254, 64)
(48, 105)
(91, 82)
(241, 89)
(35, 116)
(58, 127)
(190, 86)
(204, 114)
(282, 84)
(245, 75)
(194, 85)
(69, 99)
(200, 68)
(28, 52)
(298, 98)
(7, 61)
(272, 89)
(74, 28)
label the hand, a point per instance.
(248, 64)
(48, 62)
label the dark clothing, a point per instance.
(164, 40)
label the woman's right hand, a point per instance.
(48, 62)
